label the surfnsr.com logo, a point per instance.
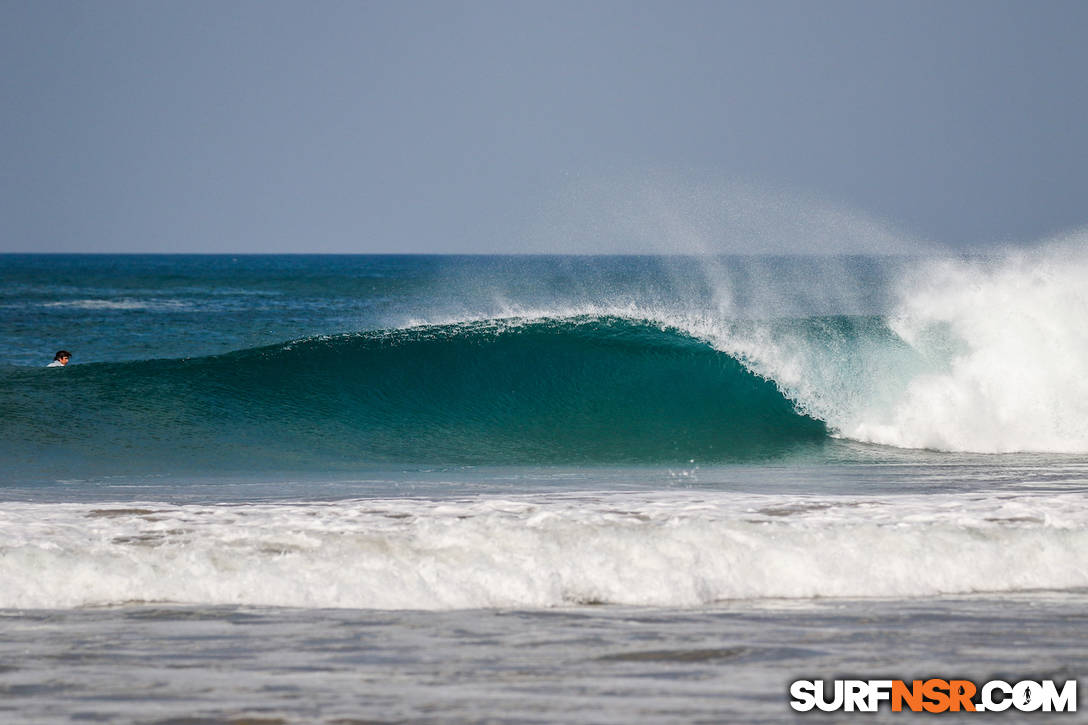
(933, 695)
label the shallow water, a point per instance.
(732, 662)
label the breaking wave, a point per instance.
(977, 355)
(540, 551)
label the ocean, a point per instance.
(535, 489)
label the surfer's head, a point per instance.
(62, 356)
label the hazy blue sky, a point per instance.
(528, 126)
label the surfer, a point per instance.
(60, 359)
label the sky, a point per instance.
(588, 126)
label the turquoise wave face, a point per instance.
(573, 390)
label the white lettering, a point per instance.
(857, 695)
(1027, 696)
(1064, 701)
(988, 701)
(994, 696)
(835, 703)
(804, 695)
(879, 690)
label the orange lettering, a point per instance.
(912, 695)
(936, 691)
(961, 693)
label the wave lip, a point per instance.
(540, 551)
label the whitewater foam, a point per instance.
(540, 551)
(978, 355)
(155, 305)
(1010, 349)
